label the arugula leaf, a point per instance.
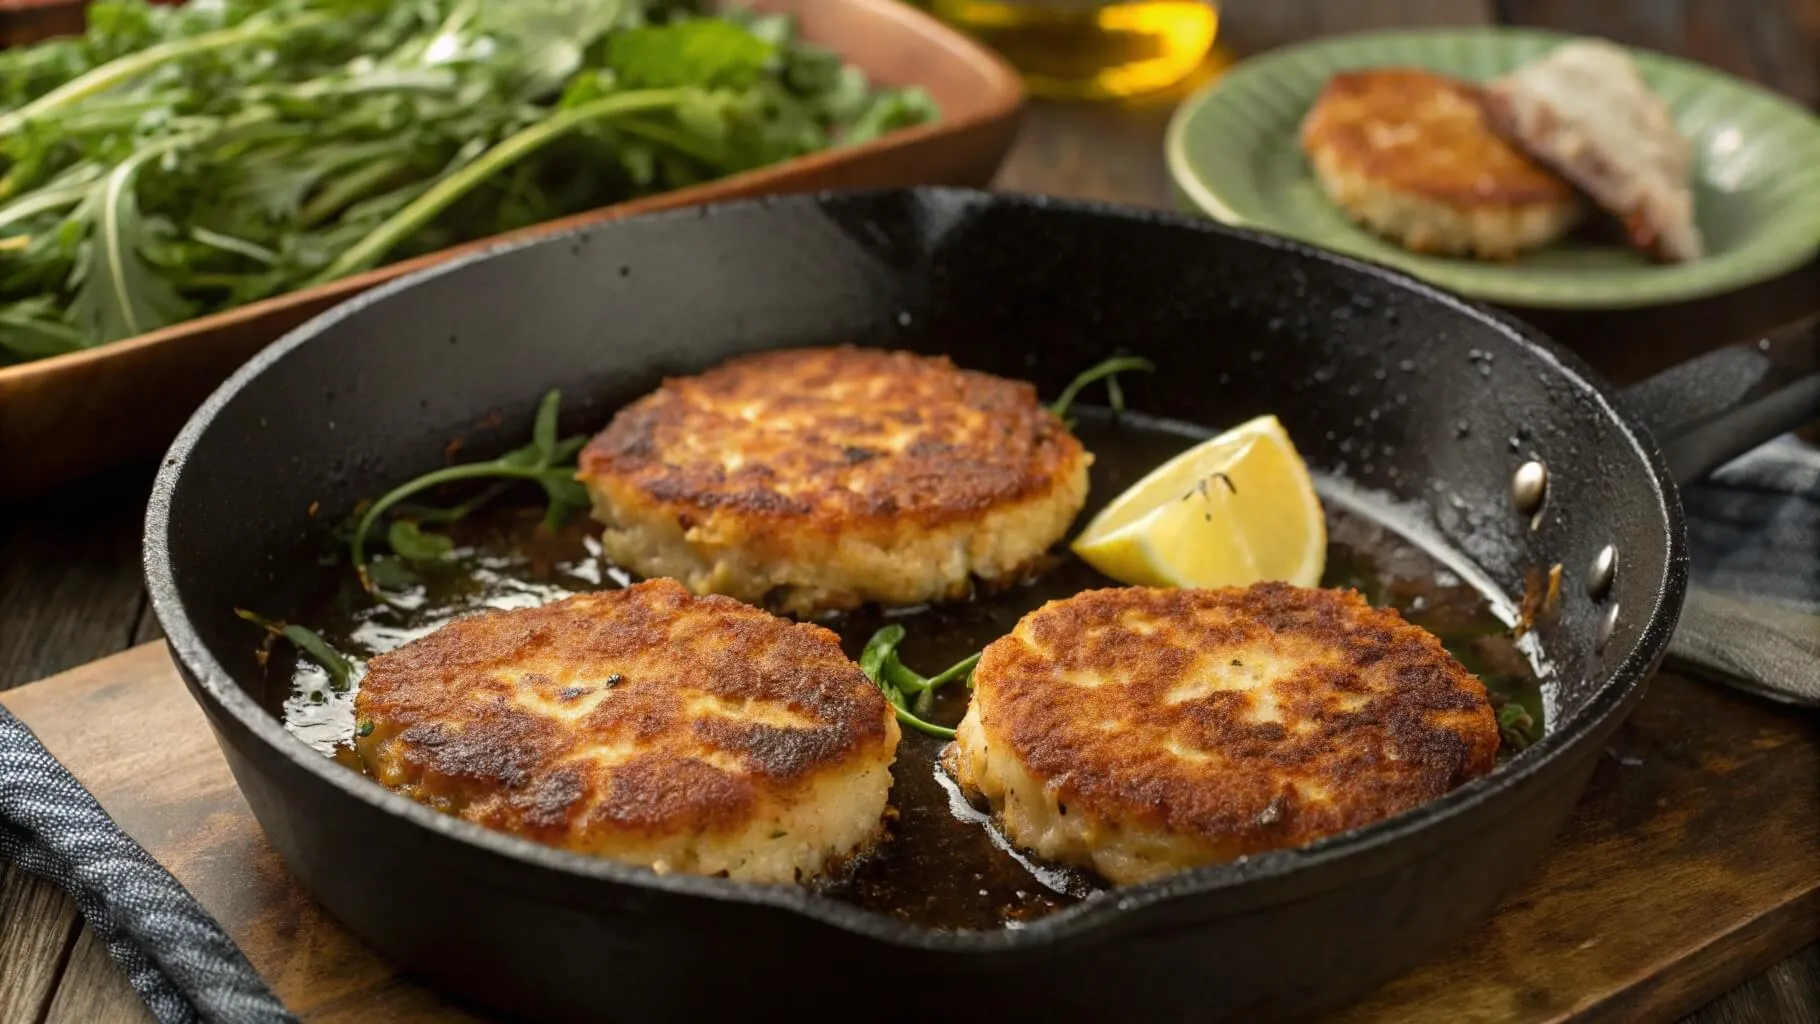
(888, 113)
(181, 160)
(552, 37)
(29, 330)
(710, 53)
(118, 294)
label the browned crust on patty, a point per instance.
(471, 718)
(1374, 716)
(1426, 135)
(833, 438)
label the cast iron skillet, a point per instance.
(1378, 378)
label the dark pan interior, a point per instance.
(1380, 381)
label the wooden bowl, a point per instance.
(68, 416)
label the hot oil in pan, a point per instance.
(944, 867)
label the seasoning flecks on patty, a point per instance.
(687, 734)
(810, 480)
(1138, 732)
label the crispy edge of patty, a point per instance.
(1132, 808)
(1411, 155)
(449, 731)
(810, 522)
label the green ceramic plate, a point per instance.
(1233, 155)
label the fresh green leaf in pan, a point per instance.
(881, 646)
(332, 661)
(391, 574)
(416, 545)
(1516, 725)
(547, 462)
(910, 694)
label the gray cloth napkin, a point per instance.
(1752, 618)
(174, 954)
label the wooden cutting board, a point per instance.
(1692, 863)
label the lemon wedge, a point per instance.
(1233, 510)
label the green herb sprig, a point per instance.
(1107, 370)
(332, 661)
(1516, 725)
(911, 695)
(546, 461)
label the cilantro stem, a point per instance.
(370, 250)
(1103, 370)
(133, 65)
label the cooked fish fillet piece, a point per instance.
(687, 734)
(1138, 732)
(1584, 110)
(816, 479)
(1408, 154)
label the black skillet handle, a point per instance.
(1714, 408)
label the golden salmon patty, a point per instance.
(648, 725)
(810, 480)
(1137, 732)
(1412, 155)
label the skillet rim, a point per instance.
(1621, 687)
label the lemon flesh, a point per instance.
(1233, 510)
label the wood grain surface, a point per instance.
(70, 588)
(1665, 887)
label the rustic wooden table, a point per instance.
(70, 587)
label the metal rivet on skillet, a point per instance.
(1607, 626)
(1529, 486)
(1604, 569)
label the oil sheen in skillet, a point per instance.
(944, 865)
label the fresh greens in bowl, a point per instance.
(178, 161)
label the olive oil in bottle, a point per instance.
(1091, 49)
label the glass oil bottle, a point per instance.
(1091, 49)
